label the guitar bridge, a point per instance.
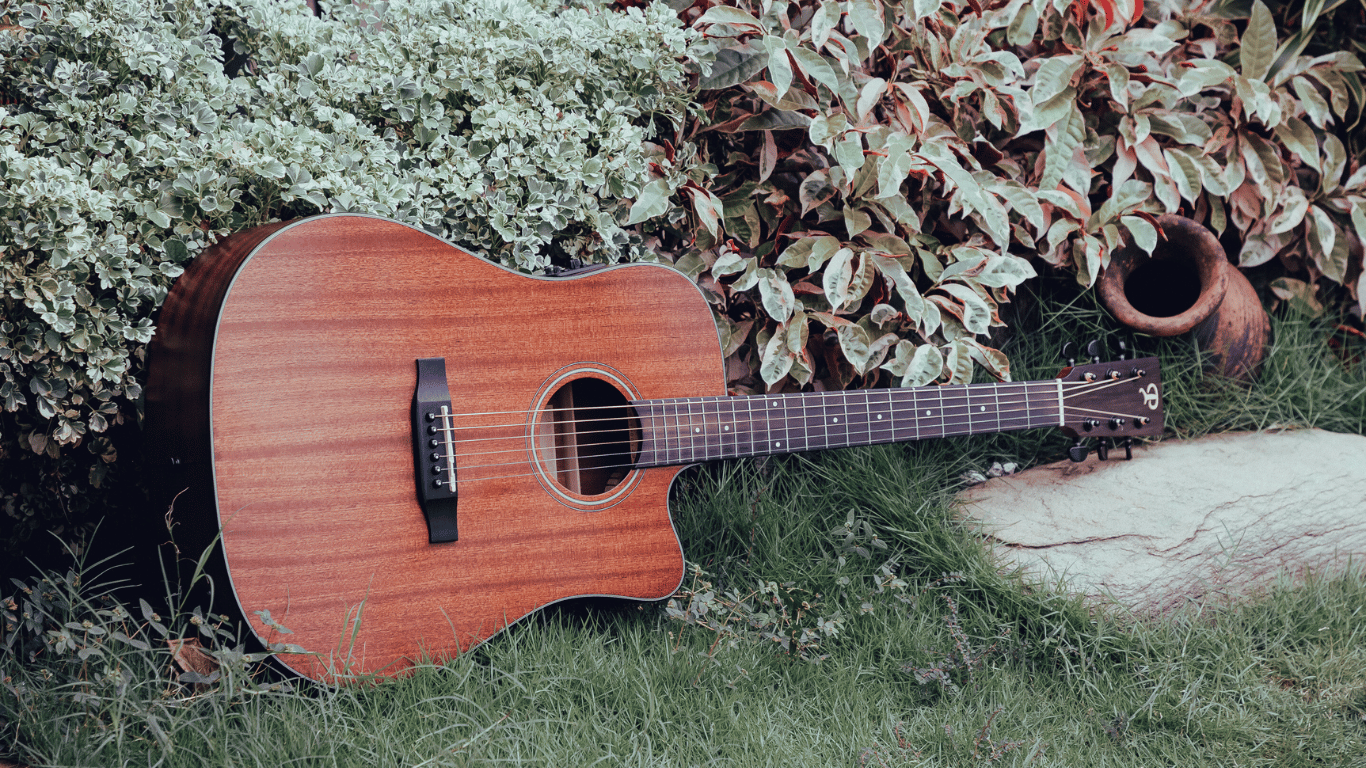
(434, 450)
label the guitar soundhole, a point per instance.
(588, 437)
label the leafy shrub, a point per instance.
(515, 129)
(883, 174)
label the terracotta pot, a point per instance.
(1188, 284)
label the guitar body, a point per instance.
(282, 382)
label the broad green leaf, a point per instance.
(776, 360)
(815, 190)
(1184, 173)
(856, 220)
(815, 67)
(866, 16)
(707, 207)
(1060, 144)
(882, 313)
(1005, 271)
(728, 263)
(1258, 46)
(779, 65)
(849, 153)
(1298, 294)
(1022, 201)
(768, 157)
(925, 365)
(734, 66)
(905, 287)
(1294, 205)
(976, 314)
(776, 295)
(776, 120)
(1049, 113)
(1313, 102)
(870, 95)
(1218, 220)
(795, 254)
(1334, 162)
(1258, 250)
(1199, 74)
(1054, 77)
(837, 276)
(1143, 233)
(824, 22)
(1296, 135)
(1324, 237)
(926, 8)
(825, 129)
(1119, 84)
(959, 363)
(824, 247)
(1359, 223)
(795, 98)
(721, 14)
(1023, 27)
(652, 201)
(864, 275)
(991, 359)
(854, 342)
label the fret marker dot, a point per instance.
(927, 413)
(698, 429)
(777, 445)
(726, 428)
(836, 419)
(984, 407)
(879, 417)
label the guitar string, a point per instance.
(739, 432)
(952, 402)
(840, 392)
(693, 449)
(897, 409)
(521, 435)
(803, 397)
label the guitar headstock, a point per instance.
(1116, 399)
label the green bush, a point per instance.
(883, 174)
(517, 130)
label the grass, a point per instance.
(839, 615)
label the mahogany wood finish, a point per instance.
(282, 376)
(306, 410)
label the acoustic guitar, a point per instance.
(405, 448)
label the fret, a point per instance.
(712, 428)
(996, 403)
(728, 429)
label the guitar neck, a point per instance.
(689, 430)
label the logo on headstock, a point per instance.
(1149, 396)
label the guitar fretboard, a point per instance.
(688, 430)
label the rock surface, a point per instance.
(1221, 515)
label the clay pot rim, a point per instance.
(1211, 265)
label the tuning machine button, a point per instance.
(1078, 451)
(1094, 348)
(1117, 422)
(1089, 424)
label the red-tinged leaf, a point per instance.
(1108, 8)
(768, 157)
(1138, 12)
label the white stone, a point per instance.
(1221, 515)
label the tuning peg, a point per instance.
(1069, 353)
(1128, 444)
(1102, 450)
(1124, 352)
(1094, 348)
(1077, 452)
